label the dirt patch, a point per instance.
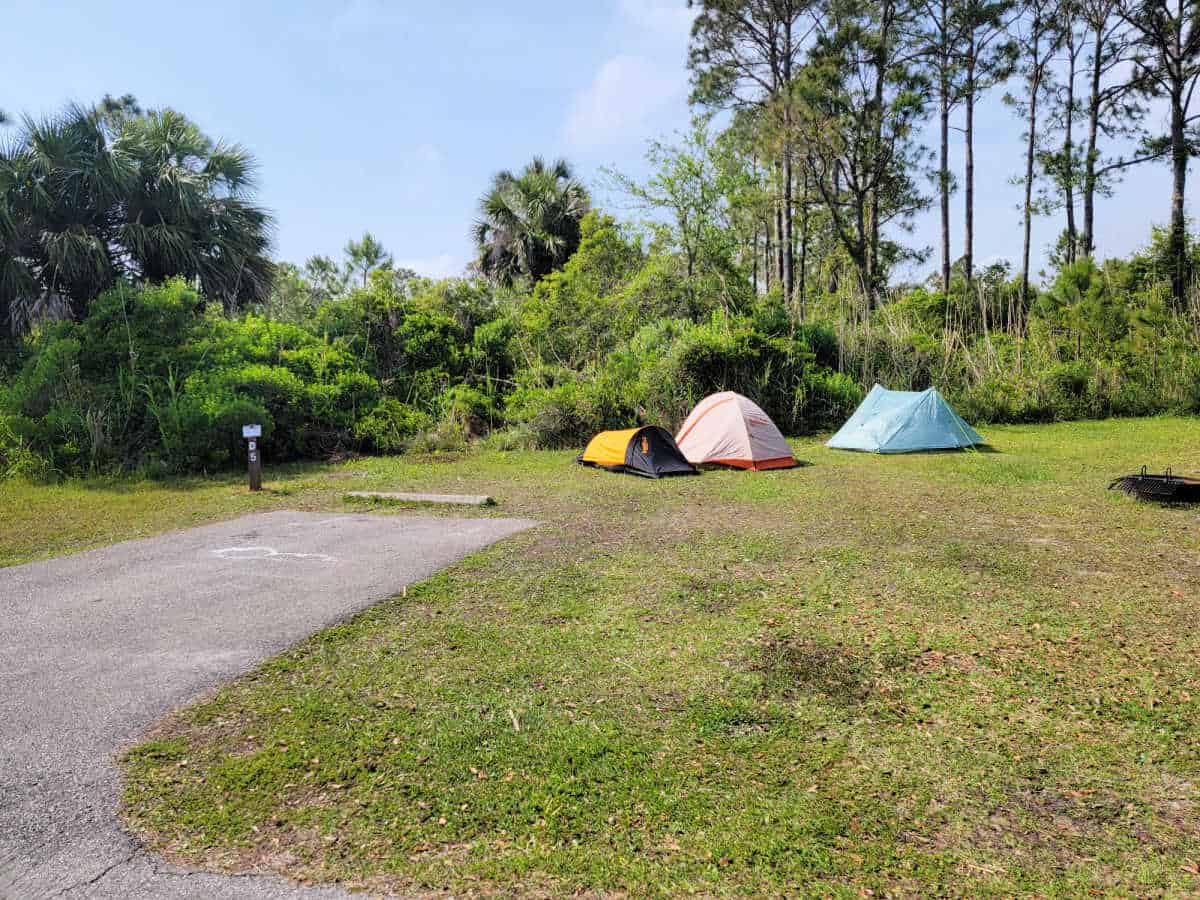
(791, 667)
(936, 660)
(1177, 805)
(1062, 823)
(708, 595)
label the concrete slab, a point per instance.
(95, 647)
(434, 499)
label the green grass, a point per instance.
(970, 674)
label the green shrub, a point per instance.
(567, 414)
(390, 426)
(469, 407)
(826, 400)
(17, 458)
(156, 379)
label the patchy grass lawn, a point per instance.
(935, 674)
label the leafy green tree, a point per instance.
(292, 298)
(326, 278)
(58, 187)
(686, 187)
(529, 223)
(113, 110)
(750, 198)
(188, 209)
(577, 315)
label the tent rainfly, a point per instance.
(903, 422)
(648, 451)
(728, 429)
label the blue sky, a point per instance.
(392, 116)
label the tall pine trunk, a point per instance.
(789, 233)
(1069, 150)
(754, 257)
(779, 233)
(1179, 164)
(754, 245)
(1088, 236)
(944, 142)
(1030, 144)
(969, 173)
(944, 185)
(804, 201)
(788, 254)
(768, 259)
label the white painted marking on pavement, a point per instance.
(267, 553)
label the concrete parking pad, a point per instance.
(96, 647)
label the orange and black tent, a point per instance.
(648, 451)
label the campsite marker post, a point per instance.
(252, 433)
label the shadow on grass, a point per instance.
(939, 451)
(230, 478)
(717, 467)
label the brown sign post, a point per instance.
(252, 433)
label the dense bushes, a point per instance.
(669, 365)
(154, 377)
(619, 336)
(1098, 342)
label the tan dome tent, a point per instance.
(728, 429)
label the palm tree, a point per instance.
(530, 222)
(94, 195)
(59, 188)
(189, 210)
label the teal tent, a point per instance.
(904, 421)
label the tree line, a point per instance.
(831, 95)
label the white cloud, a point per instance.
(445, 265)
(634, 92)
(621, 103)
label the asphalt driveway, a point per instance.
(96, 647)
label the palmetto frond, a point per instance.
(230, 168)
